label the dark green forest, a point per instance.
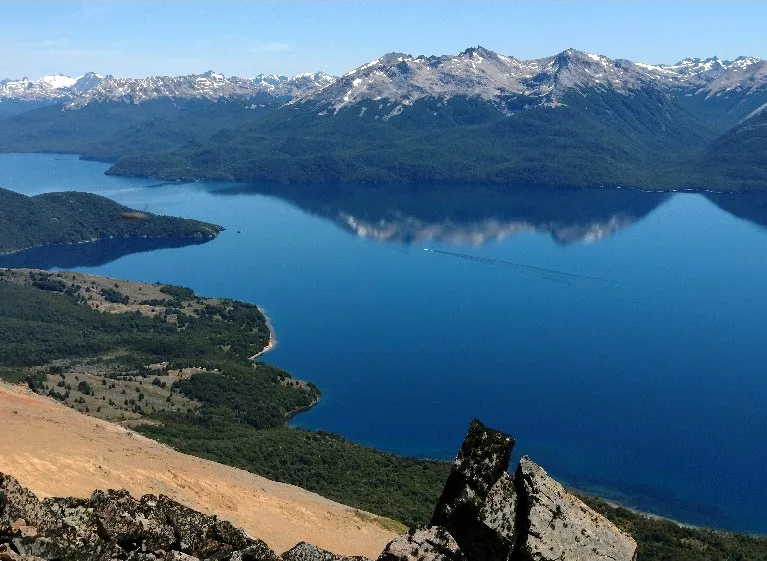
(593, 138)
(72, 217)
(604, 139)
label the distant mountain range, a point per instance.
(476, 72)
(483, 74)
(76, 93)
(574, 119)
(48, 88)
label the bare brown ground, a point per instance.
(55, 451)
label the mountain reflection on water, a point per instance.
(461, 216)
(748, 206)
(91, 254)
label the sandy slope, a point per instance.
(56, 451)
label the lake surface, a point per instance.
(620, 336)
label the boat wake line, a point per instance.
(540, 272)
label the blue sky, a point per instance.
(242, 38)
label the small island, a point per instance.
(74, 218)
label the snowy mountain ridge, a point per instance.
(210, 85)
(53, 87)
(80, 91)
(403, 79)
(480, 73)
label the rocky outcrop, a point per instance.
(483, 528)
(560, 526)
(425, 544)
(484, 514)
(114, 525)
(308, 552)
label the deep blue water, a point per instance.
(621, 337)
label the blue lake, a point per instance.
(620, 336)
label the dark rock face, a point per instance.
(477, 505)
(114, 525)
(491, 516)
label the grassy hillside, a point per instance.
(71, 217)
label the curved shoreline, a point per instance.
(298, 410)
(96, 240)
(272, 337)
(270, 346)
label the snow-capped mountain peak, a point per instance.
(212, 75)
(403, 79)
(52, 88)
(57, 81)
(475, 72)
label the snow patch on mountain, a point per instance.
(57, 81)
(54, 88)
(209, 85)
(403, 79)
(476, 72)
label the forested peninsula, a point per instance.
(72, 217)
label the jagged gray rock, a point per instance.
(114, 525)
(484, 529)
(494, 517)
(307, 552)
(499, 512)
(19, 507)
(256, 552)
(425, 544)
(560, 527)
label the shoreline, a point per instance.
(469, 184)
(290, 415)
(272, 337)
(108, 238)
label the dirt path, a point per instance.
(56, 451)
